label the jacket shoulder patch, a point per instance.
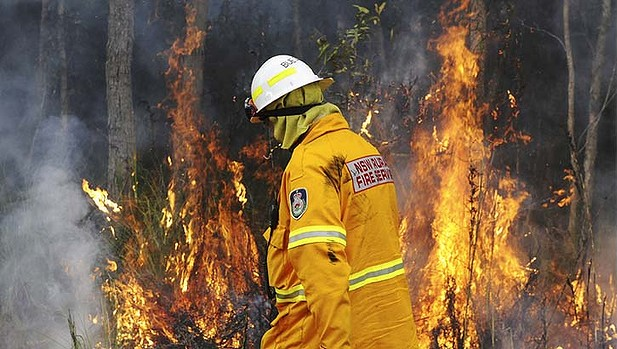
(368, 172)
(298, 202)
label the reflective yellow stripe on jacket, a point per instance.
(319, 233)
(376, 273)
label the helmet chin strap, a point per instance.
(272, 147)
(287, 111)
(271, 151)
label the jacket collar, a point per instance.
(329, 123)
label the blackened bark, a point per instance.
(52, 69)
(477, 44)
(63, 65)
(573, 224)
(121, 119)
(47, 62)
(580, 223)
(52, 72)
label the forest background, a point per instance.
(500, 113)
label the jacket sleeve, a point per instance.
(323, 270)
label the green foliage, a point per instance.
(360, 90)
(139, 232)
(135, 239)
(343, 55)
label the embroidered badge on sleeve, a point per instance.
(298, 200)
(368, 172)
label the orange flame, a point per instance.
(210, 279)
(236, 168)
(471, 272)
(563, 197)
(366, 124)
(214, 262)
(100, 199)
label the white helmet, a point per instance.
(280, 75)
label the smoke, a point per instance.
(606, 215)
(47, 249)
(408, 59)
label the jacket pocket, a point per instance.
(279, 238)
(279, 269)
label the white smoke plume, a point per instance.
(47, 248)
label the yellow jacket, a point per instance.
(334, 258)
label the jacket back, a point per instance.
(335, 258)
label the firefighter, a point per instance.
(334, 256)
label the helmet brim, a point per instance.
(325, 83)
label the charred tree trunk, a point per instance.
(581, 220)
(477, 44)
(380, 48)
(52, 71)
(580, 223)
(52, 63)
(573, 223)
(47, 65)
(63, 65)
(121, 119)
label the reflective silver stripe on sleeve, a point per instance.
(316, 235)
(295, 295)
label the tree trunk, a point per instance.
(51, 74)
(580, 223)
(477, 44)
(47, 48)
(594, 112)
(52, 69)
(121, 119)
(573, 224)
(63, 65)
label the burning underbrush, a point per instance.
(479, 286)
(188, 274)
(168, 287)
